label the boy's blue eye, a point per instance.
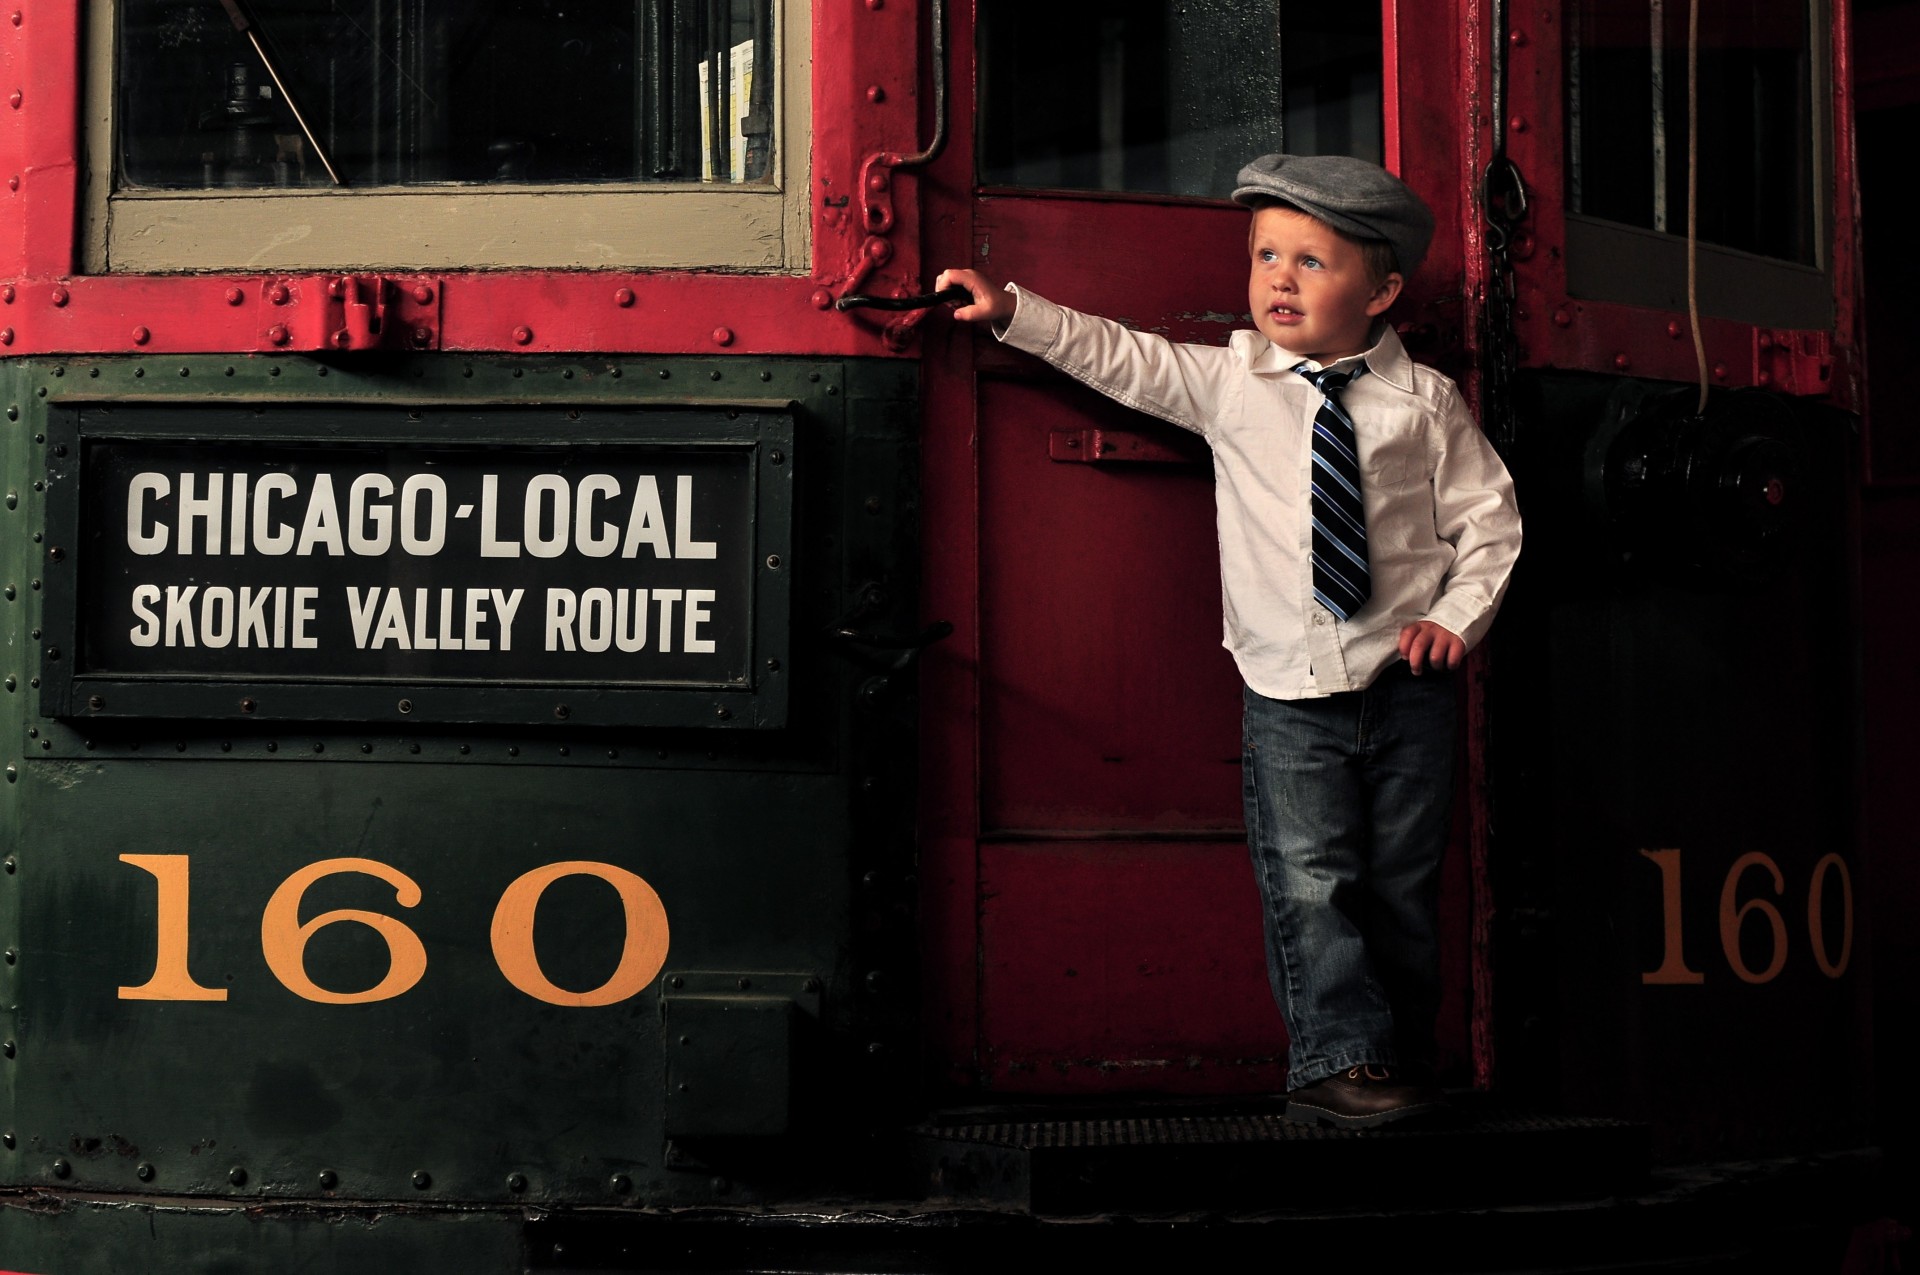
(1266, 254)
(1310, 261)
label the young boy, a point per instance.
(1367, 530)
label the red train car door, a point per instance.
(1096, 926)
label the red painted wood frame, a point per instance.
(868, 113)
(1559, 330)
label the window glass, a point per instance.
(1627, 120)
(1125, 95)
(415, 92)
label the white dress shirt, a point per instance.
(1442, 527)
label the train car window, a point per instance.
(1759, 158)
(214, 114)
(1126, 95)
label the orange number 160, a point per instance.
(284, 937)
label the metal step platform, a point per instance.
(1252, 1160)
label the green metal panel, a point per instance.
(780, 857)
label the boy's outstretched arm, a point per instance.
(991, 303)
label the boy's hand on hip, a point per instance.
(1425, 645)
(991, 304)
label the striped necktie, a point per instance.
(1341, 580)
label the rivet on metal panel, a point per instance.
(1719, 371)
(723, 336)
(1518, 124)
(422, 1179)
(516, 1182)
(278, 294)
(621, 1184)
(713, 375)
(56, 553)
(773, 562)
(12, 865)
(522, 335)
(6, 293)
(235, 296)
(878, 251)
(424, 336)
(12, 956)
(329, 1179)
(876, 94)
(96, 702)
(745, 982)
(562, 712)
(876, 4)
(237, 1175)
(1675, 328)
(776, 457)
(773, 666)
(14, 99)
(60, 296)
(7, 1048)
(13, 183)
(1518, 39)
(623, 297)
(822, 299)
(319, 747)
(405, 706)
(144, 1172)
(513, 750)
(811, 985)
(6, 336)
(1621, 361)
(15, 19)
(675, 982)
(1562, 319)
(422, 294)
(8, 1139)
(13, 776)
(366, 748)
(61, 1168)
(723, 713)
(278, 335)
(465, 749)
(248, 705)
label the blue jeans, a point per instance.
(1347, 807)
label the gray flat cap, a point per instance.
(1351, 195)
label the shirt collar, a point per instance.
(1387, 359)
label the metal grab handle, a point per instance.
(855, 301)
(893, 654)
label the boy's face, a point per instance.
(1310, 292)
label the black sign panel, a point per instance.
(211, 564)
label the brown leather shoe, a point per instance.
(1362, 1098)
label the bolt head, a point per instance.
(522, 335)
(723, 336)
(60, 296)
(623, 297)
(423, 294)
(278, 334)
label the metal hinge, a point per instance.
(352, 312)
(1793, 362)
